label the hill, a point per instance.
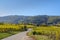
(39, 19)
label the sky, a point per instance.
(29, 7)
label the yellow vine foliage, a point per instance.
(53, 31)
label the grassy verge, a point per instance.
(7, 34)
(3, 35)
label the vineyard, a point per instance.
(7, 28)
(50, 32)
(11, 29)
(39, 33)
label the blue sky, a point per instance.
(29, 7)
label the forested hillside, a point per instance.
(40, 19)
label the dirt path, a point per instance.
(19, 36)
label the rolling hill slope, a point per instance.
(30, 19)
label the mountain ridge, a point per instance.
(30, 19)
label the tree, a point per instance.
(34, 32)
(25, 28)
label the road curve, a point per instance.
(19, 36)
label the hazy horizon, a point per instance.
(26, 15)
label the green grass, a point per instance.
(4, 35)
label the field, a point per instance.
(11, 29)
(37, 32)
(8, 30)
(45, 33)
